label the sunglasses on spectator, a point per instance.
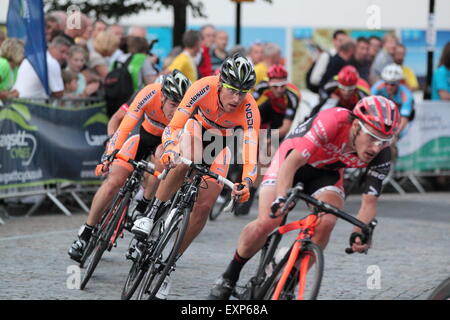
(278, 84)
(376, 140)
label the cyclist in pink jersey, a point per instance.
(316, 153)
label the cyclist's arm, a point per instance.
(129, 121)
(115, 121)
(251, 127)
(368, 210)
(182, 114)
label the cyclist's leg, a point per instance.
(190, 146)
(119, 172)
(151, 182)
(327, 186)
(206, 198)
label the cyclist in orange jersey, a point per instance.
(157, 103)
(219, 104)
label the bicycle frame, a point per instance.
(307, 228)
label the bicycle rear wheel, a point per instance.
(303, 282)
(106, 231)
(165, 254)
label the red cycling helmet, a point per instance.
(277, 71)
(378, 112)
(348, 77)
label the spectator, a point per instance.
(219, 52)
(317, 73)
(98, 27)
(240, 49)
(338, 61)
(77, 58)
(70, 83)
(360, 58)
(271, 56)
(140, 66)
(136, 31)
(170, 58)
(119, 53)
(256, 53)
(11, 56)
(375, 44)
(208, 33)
(105, 43)
(384, 57)
(83, 39)
(185, 60)
(51, 28)
(440, 88)
(73, 32)
(410, 78)
(28, 83)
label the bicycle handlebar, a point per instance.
(145, 165)
(367, 229)
(201, 168)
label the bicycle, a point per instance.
(225, 196)
(110, 228)
(170, 229)
(300, 268)
(442, 291)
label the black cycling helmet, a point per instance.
(175, 85)
(238, 72)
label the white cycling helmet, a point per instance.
(392, 73)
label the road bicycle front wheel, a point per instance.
(442, 292)
(165, 254)
(304, 278)
(105, 233)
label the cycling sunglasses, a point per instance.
(381, 142)
(346, 88)
(225, 85)
(278, 84)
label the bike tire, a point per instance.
(313, 278)
(442, 292)
(104, 237)
(215, 213)
(160, 268)
(141, 266)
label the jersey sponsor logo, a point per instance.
(144, 101)
(249, 115)
(198, 96)
(372, 191)
(306, 154)
(377, 175)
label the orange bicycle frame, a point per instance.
(307, 227)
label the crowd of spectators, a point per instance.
(79, 59)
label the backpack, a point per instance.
(118, 86)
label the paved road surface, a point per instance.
(410, 255)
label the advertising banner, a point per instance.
(41, 144)
(426, 146)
